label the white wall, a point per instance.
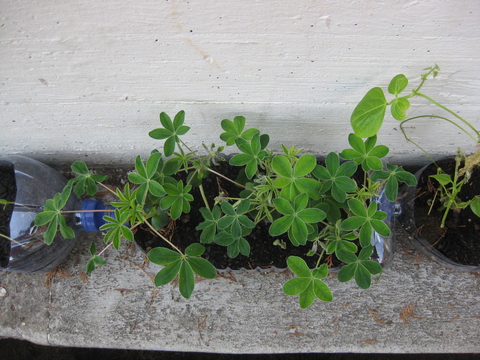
(87, 80)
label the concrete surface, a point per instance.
(88, 79)
(416, 307)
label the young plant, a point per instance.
(330, 207)
(369, 115)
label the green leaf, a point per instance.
(475, 206)
(397, 84)
(90, 266)
(92, 249)
(322, 291)
(312, 215)
(163, 256)
(346, 256)
(49, 234)
(320, 272)
(224, 238)
(399, 107)
(280, 225)
(194, 249)
(368, 115)
(281, 165)
(160, 134)
(80, 167)
(372, 266)
(44, 218)
(66, 231)
(240, 159)
(363, 277)
(168, 273)
(307, 297)
(296, 285)
(443, 179)
(283, 206)
(298, 266)
(347, 272)
(98, 260)
(304, 165)
(202, 267)
(186, 280)
(166, 121)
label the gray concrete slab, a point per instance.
(416, 307)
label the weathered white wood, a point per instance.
(89, 78)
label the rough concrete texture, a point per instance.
(416, 307)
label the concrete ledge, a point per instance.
(118, 307)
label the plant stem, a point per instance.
(107, 188)
(12, 240)
(163, 237)
(430, 116)
(226, 178)
(456, 115)
(204, 197)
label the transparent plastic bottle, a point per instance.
(30, 186)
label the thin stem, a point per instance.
(104, 249)
(107, 188)
(429, 116)
(454, 114)
(12, 240)
(226, 178)
(163, 237)
(86, 211)
(204, 197)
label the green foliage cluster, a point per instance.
(369, 114)
(317, 204)
(328, 206)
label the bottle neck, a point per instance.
(91, 215)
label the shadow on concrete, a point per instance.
(13, 349)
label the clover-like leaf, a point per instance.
(52, 215)
(292, 179)
(144, 177)
(393, 175)
(117, 227)
(185, 266)
(177, 199)
(84, 181)
(359, 268)
(365, 219)
(234, 130)
(365, 153)
(235, 218)
(336, 177)
(295, 218)
(307, 284)
(170, 131)
(209, 226)
(251, 156)
(94, 259)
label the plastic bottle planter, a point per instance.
(29, 184)
(421, 237)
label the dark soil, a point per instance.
(263, 253)
(8, 191)
(460, 239)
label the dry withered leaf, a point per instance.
(406, 312)
(56, 274)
